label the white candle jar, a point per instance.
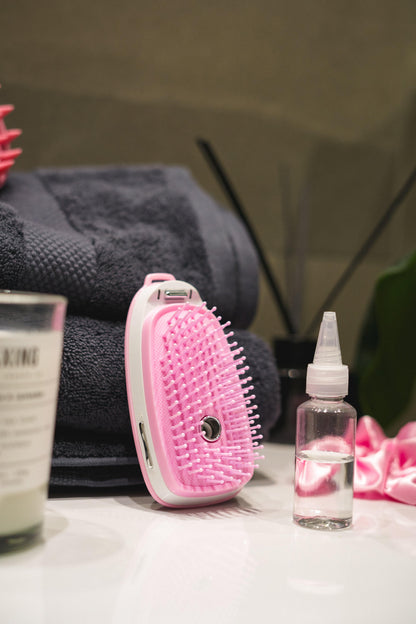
(31, 336)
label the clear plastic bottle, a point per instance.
(325, 439)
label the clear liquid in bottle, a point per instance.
(323, 489)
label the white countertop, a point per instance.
(125, 560)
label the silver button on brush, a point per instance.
(210, 428)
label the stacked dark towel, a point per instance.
(92, 235)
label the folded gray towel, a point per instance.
(93, 234)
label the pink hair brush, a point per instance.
(190, 405)
(7, 154)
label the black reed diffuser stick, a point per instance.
(230, 192)
(364, 249)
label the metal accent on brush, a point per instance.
(364, 249)
(211, 428)
(176, 294)
(231, 193)
(145, 445)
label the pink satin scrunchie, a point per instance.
(385, 467)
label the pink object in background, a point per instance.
(7, 153)
(385, 467)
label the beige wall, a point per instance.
(322, 92)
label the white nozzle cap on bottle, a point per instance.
(327, 376)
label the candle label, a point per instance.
(30, 364)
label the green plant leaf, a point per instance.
(386, 362)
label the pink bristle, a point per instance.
(259, 437)
(248, 389)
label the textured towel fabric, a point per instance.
(93, 441)
(93, 234)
